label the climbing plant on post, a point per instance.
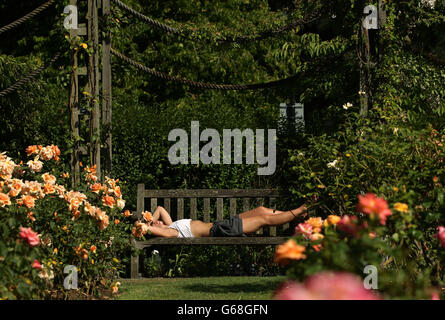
(369, 52)
(106, 87)
(93, 83)
(74, 109)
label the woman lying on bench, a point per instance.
(247, 222)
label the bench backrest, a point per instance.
(238, 201)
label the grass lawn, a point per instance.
(214, 288)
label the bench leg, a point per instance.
(134, 262)
(134, 273)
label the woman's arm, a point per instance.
(163, 232)
(161, 213)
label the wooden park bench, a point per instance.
(247, 198)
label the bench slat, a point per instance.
(140, 205)
(207, 193)
(272, 204)
(193, 206)
(213, 241)
(167, 204)
(219, 208)
(260, 202)
(206, 209)
(232, 207)
(154, 204)
(180, 208)
(246, 204)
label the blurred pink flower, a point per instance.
(326, 286)
(304, 229)
(36, 265)
(349, 225)
(30, 236)
(372, 205)
(441, 235)
(435, 296)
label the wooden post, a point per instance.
(93, 82)
(106, 88)
(371, 54)
(364, 70)
(74, 110)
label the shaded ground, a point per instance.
(214, 288)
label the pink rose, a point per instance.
(349, 225)
(326, 286)
(372, 205)
(305, 229)
(30, 236)
(290, 290)
(36, 265)
(441, 235)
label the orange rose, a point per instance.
(56, 151)
(147, 216)
(116, 221)
(126, 213)
(103, 224)
(111, 182)
(139, 229)
(60, 190)
(96, 187)
(316, 224)
(108, 201)
(28, 201)
(30, 216)
(49, 178)
(47, 153)
(49, 188)
(91, 177)
(331, 220)
(93, 248)
(32, 150)
(74, 204)
(120, 203)
(102, 218)
(76, 214)
(4, 200)
(14, 192)
(34, 188)
(35, 165)
(287, 251)
(91, 210)
(117, 192)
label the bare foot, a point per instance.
(300, 210)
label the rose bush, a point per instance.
(379, 185)
(46, 226)
(408, 263)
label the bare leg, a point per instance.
(259, 211)
(252, 222)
